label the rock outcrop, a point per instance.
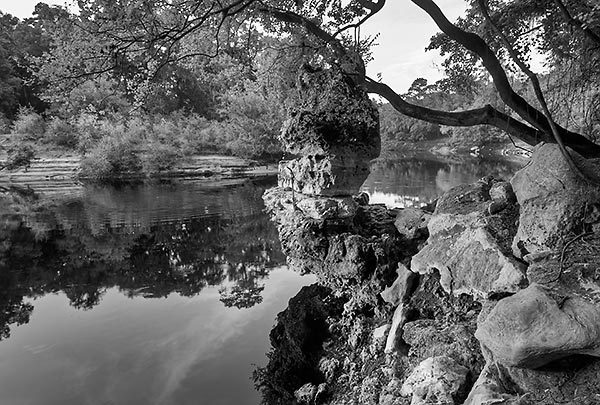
(334, 129)
(469, 241)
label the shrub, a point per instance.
(19, 155)
(160, 158)
(113, 156)
(29, 124)
(5, 124)
(61, 133)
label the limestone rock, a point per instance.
(331, 117)
(412, 222)
(436, 380)
(468, 246)
(398, 321)
(323, 175)
(488, 390)
(432, 337)
(306, 394)
(398, 292)
(533, 328)
(554, 200)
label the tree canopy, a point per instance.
(157, 52)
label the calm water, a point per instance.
(415, 182)
(156, 294)
(160, 294)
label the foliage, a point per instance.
(19, 155)
(29, 124)
(61, 133)
(113, 156)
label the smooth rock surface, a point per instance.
(436, 380)
(533, 328)
(554, 201)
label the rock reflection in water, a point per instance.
(415, 182)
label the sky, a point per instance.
(404, 30)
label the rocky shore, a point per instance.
(490, 295)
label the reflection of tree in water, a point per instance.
(246, 292)
(85, 261)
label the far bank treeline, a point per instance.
(228, 94)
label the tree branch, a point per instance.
(536, 88)
(477, 45)
(575, 22)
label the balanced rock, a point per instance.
(555, 202)
(533, 328)
(333, 128)
(471, 247)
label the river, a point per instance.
(157, 293)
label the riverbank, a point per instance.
(489, 297)
(68, 168)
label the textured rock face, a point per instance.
(412, 222)
(323, 175)
(334, 128)
(436, 380)
(533, 328)
(332, 116)
(469, 245)
(554, 201)
(340, 241)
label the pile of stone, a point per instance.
(529, 252)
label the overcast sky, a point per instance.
(400, 57)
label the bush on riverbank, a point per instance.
(147, 144)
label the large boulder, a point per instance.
(535, 327)
(555, 202)
(331, 116)
(333, 128)
(469, 243)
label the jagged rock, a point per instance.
(323, 175)
(398, 321)
(533, 328)
(573, 380)
(325, 208)
(297, 339)
(489, 390)
(331, 117)
(470, 247)
(399, 291)
(306, 394)
(555, 202)
(341, 242)
(436, 380)
(412, 222)
(432, 337)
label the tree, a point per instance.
(156, 32)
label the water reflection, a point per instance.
(148, 241)
(415, 182)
